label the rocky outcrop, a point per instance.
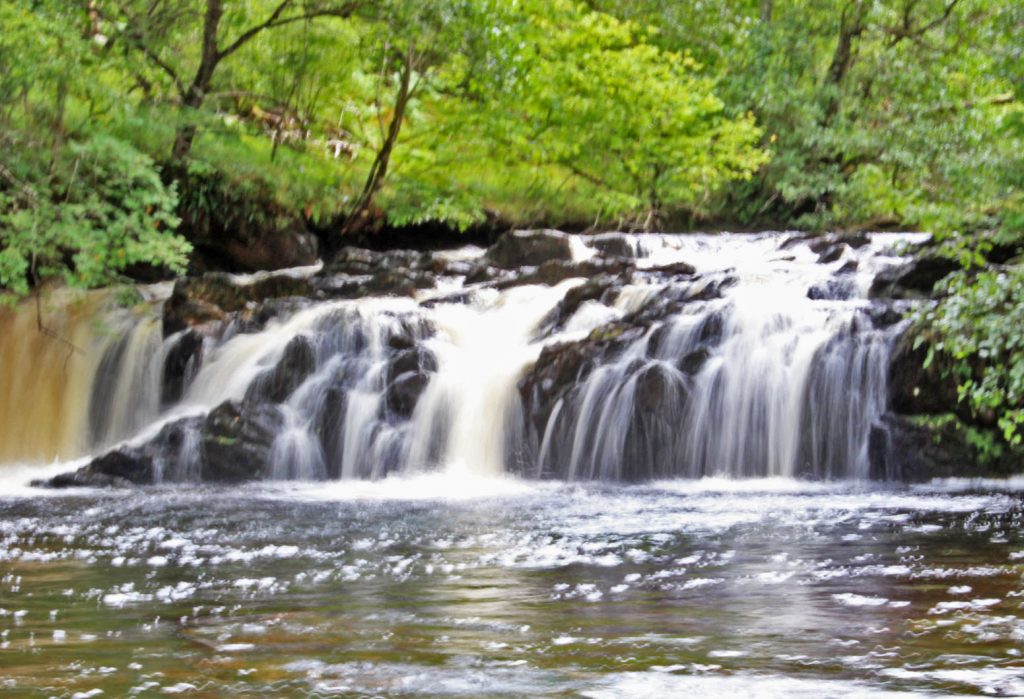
(206, 302)
(913, 449)
(232, 444)
(236, 442)
(529, 249)
(276, 384)
(915, 389)
(914, 279)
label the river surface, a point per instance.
(459, 586)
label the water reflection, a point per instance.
(773, 588)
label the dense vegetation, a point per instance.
(120, 118)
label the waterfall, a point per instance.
(766, 360)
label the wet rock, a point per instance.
(115, 469)
(694, 361)
(415, 360)
(529, 248)
(236, 442)
(126, 465)
(914, 389)
(481, 273)
(914, 279)
(616, 245)
(917, 449)
(669, 271)
(825, 243)
(198, 302)
(404, 392)
(180, 366)
(833, 290)
(832, 253)
(555, 271)
(603, 288)
(275, 385)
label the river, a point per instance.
(477, 587)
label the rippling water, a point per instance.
(460, 587)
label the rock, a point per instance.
(297, 362)
(693, 362)
(676, 269)
(913, 389)
(615, 245)
(404, 392)
(833, 290)
(919, 449)
(416, 360)
(832, 253)
(247, 237)
(914, 279)
(180, 366)
(115, 469)
(236, 442)
(830, 241)
(529, 248)
(555, 271)
(197, 302)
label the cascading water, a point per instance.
(764, 361)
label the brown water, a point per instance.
(447, 587)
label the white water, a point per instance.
(758, 381)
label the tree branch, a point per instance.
(275, 19)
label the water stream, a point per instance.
(440, 517)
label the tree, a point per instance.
(156, 30)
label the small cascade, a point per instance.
(643, 357)
(80, 372)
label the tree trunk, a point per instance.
(379, 170)
(196, 93)
(851, 26)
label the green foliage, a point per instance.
(979, 324)
(98, 213)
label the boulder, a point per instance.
(916, 390)
(180, 366)
(404, 392)
(913, 279)
(919, 449)
(275, 385)
(616, 245)
(199, 302)
(529, 248)
(236, 442)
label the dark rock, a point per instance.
(481, 273)
(198, 302)
(848, 267)
(415, 360)
(914, 449)
(693, 362)
(853, 240)
(297, 362)
(914, 279)
(237, 441)
(405, 391)
(556, 271)
(884, 315)
(115, 469)
(832, 253)
(615, 245)
(529, 248)
(246, 236)
(832, 290)
(180, 366)
(913, 389)
(460, 297)
(676, 269)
